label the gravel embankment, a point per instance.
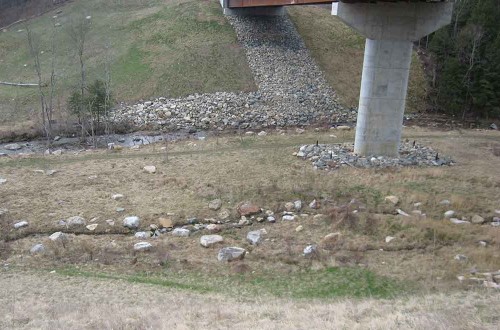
(291, 88)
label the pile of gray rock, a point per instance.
(291, 88)
(334, 156)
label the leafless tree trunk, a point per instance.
(78, 32)
(46, 109)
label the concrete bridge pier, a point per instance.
(390, 29)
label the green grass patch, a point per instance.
(332, 282)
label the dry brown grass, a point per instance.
(264, 171)
(48, 301)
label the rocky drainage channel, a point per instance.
(292, 90)
(334, 156)
(250, 214)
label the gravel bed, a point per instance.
(334, 156)
(292, 91)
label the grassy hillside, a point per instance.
(153, 47)
(339, 50)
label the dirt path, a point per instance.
(52, 301)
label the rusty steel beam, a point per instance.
(270, 3)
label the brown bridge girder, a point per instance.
(271, 3)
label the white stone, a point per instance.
(299, 228)
(142, 246)
(37, 248)
(314, 204)
(231, 253)
(2, 180)
(459, 222)
(181, 232)
(110, 222)
(444, 202)
(392, 199)
(117, 196)
(288, 218)
(13, 146)
(131, 222)
(58, 236)
(75, 221)
(210, 240)
(449, 214)
(21, 224)
(141, 235)
(254, 237)
(309, 250)
(403, 213)
(389, 238)
(215, 204)
(150, 169)
(92, 227)
(297, 205)
(262, 133)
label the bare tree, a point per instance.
(46, 102)
(78, 32)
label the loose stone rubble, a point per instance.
(334, 156)
(292, 90)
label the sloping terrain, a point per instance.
(152, 48)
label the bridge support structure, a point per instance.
(390, 29)
(252, 11)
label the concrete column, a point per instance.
(390, 29)
(384, 83)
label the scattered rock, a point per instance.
(403, 213)
(120, 209)
(459, 222)
(58, 236)
(2, 180)
(288, 217)
(150, 169)
(37, 248)
(314, 204)
(57, 152)
(75, 221)
(310, 250)
(262, 133)
(330, 240)
(223, 214)
(142, 246)
(477, 219)
(460, 257)
(388, 239)
(299, 228)
(231, 253)
(289, 206)
(13, 146)
(494, 126)
(392, 199)
(215, 204)
(110, 222)
(271, 219)
(21, 224)
(210, 240)
(181, 232)
(3, 211)
(247, 209)
(117, 196)
(444, 202)
(449, 214)
(214, 228)
(297, 205)
(131, 222)
(141, 235)
(168, 223)
(255, 237)
(92, 227)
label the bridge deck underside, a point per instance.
(271, 3)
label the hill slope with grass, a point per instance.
(153, 48)
(168, 48)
